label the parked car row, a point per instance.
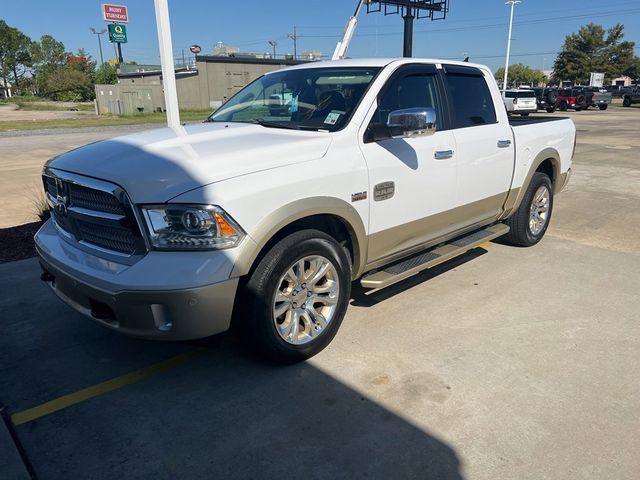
(525, 101)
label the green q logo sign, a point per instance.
(117, 33)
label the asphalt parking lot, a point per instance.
(506, 363)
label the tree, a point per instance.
(69, 84)
(15, 54)
(49, 56)
(594, 49)
(106, 74)
(520, 74)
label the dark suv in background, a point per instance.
(595, 96)
(546, 98)
(631, 95)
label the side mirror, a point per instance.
(412, 122)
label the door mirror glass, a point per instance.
(412, 122)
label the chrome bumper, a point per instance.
(164, 315)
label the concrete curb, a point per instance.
(13, 464)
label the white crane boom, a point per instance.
(343, 45)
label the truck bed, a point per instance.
(516, 121)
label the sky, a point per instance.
(474, 28)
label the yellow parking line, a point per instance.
(65, 401)
(485, 245)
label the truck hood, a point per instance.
(157, 165)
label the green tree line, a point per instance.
(594, 49)
(520, 74)
(46, 69)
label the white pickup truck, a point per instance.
(261, 218)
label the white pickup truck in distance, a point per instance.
(261, 218)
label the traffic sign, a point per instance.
(117, 33)
(115, 13)
(195, 48)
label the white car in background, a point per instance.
(521, 102)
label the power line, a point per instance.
(487, 26)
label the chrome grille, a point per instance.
(91, 199)
(111, 238)
(94, 213)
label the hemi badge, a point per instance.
(383, 191)
(356, 197)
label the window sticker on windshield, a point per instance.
(294, 104)
(332, 118)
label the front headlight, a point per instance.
(190, 227)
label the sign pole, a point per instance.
(166, 60)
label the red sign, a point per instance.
(115, 13)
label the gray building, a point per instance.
(206, 85)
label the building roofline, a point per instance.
(249, 60)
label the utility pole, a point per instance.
(99, 34)
(513, 3)
(294, 36)
(274, 44)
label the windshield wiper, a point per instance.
(266, 123)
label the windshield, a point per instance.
(301, 99)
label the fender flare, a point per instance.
(516, 194)
(275, 221)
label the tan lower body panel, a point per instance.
(387, 245)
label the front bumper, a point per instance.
(166, 314)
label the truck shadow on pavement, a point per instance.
(221, 415)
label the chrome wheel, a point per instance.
(306, 299)
(539, 212)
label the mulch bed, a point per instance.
(16, 243)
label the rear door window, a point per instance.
(523, 94)
(470, 97)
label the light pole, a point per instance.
(274, 44)
(99, 34)
(513, 3)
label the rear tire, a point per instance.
(563, 106)
(626, 102)
(530, 221)
(603, 107)
(551, 109)
(287, 314)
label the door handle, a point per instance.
(504, 143)
(443, 154)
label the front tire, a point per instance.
(296, 298)
(563, 106)
(530, 221)
(626, 102)
(603, 107)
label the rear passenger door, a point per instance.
(484, 146)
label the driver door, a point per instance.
(412, 181)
